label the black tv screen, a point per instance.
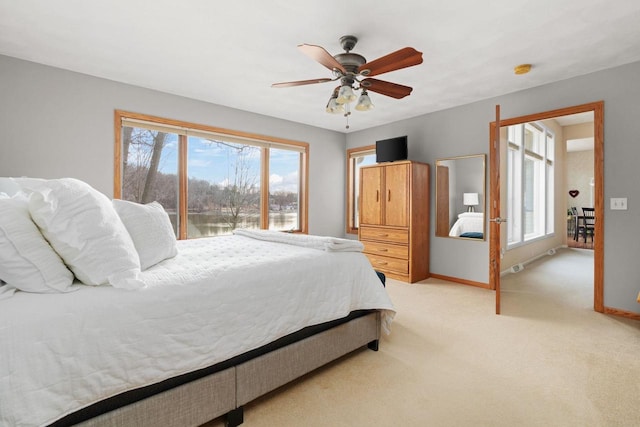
(392, 149)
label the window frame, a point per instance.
(353, 153)
(545, 167)
(180, 127)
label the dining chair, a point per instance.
(588, 223)
(574, 222)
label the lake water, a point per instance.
(205, 225)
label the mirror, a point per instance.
(460, 196)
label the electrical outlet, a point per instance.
(618, 203)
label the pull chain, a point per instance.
(347, 113)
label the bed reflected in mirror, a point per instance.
(460, 196)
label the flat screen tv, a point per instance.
(391, 150)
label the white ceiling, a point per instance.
(230, 52)
(575, 119)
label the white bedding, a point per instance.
(219, 297)
(468, 222)
(323, 243)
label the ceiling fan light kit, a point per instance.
(354, 73)
(333, 107)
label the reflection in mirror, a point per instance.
(460, 196)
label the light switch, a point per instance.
(618, 204)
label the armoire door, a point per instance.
(396, 211)
(370, 196)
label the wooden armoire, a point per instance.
(394, 218)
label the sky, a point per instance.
(214, 163)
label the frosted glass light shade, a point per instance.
(364, 103)
(346, 95)
(333, 107)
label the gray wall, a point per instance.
(449, 133)
(464, 130)
(580, 163)
(55, 123)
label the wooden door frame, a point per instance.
(494, 207)
(598, 134)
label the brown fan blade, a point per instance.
(318, 53)
(393, 90)
(301, 82)
(403, 58)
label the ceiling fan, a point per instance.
(354, 73)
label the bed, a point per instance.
(469, 225)
(215, 324)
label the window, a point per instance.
(356, 158)
(224, 187)
(150, 167)
(284, 189)
(211, 181)
(530, 182)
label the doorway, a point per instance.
(497, 182)
(580, 181)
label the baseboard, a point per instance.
(607, 310)
(622, 313)
(519, 266)
(462, 281)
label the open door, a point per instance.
(494, 208)
(494, 196)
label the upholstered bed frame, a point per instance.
(225, 388)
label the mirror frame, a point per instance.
(442, 193)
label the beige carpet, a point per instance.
(548, 360)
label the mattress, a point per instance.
(218, 298)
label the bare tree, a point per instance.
(241, 191)
(149, 184)
(281, 199)
(126, 141)
(142, 152)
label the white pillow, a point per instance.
(27, 261)
(83, 227)
(8, 187)
(150, 229)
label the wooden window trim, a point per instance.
(302, 147)
(264, 181)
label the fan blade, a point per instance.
(319, 54)
(301, 82)
(403, 58)
(393, 90)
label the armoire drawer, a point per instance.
(390, 235)
(391, 264)
(385, 249)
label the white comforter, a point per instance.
(218, 298)
(468, 222)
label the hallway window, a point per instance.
(530, 177)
